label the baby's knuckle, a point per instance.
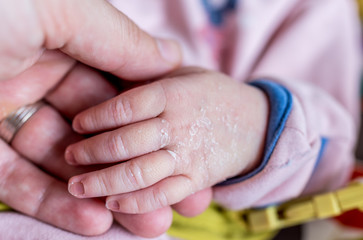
(162, 96)
(89, 121)
(85, 153)
(116, 146)
(136, 175)
(121, 111)
(107, 187)
(134, 204)
(160, 199)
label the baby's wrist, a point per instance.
(257, 114)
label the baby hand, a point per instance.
(170, 138)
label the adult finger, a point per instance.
(130, 176)
(32, 84)
(121, 144)
(92, 31)
(194, 204)
(135, 105)
(147, 225)
(82, 88)
(29, 190)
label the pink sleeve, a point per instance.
(315, 53)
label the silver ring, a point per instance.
(15, 120)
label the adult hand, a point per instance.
(40, 41)
(90, 31)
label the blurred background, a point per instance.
(348, 226)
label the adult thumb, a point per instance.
(97, 34)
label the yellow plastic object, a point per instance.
(262, 223)
(216, 223)
(304, 210)
(360, 8)
(3, 207)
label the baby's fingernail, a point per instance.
(77, 126)
(69, 156)
(76, 189)
(113, 205)
(169, 50)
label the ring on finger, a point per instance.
(10, 125)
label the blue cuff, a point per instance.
(216, 15)
(324, 142)
(280, 107)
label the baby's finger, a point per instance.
(121, 144)
(164, 193)
(135, 105)
(29, 190)
(130, 176)
(147, 225)
(82, 88)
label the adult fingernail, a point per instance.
(169, 50)
(113, 205)
(76, 189)
(69, 156)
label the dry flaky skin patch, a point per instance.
(207, 149)
(165, 138)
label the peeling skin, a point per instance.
(173, 154)
(203, 144)
(204, 147)
(165, 138)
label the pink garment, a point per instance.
(312, 47)
(14, 226)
